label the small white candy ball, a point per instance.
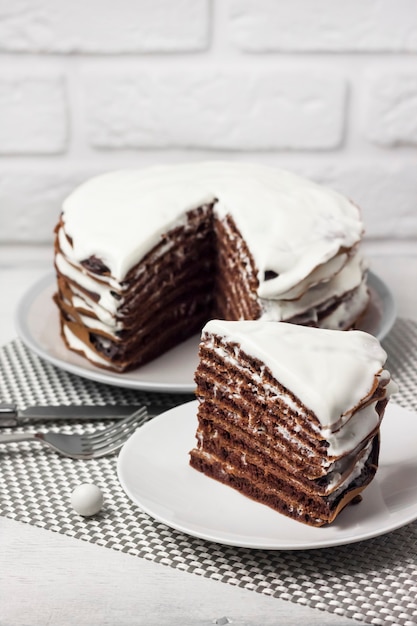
(87, 499)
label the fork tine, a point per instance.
(107, 448)
(113, 437)
(118, 427)
(114, 442)
(104, 451)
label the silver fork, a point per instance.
(87, 445)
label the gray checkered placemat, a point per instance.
(374, 581)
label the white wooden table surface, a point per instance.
(48, 578)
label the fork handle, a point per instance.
(13, 437)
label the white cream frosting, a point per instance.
(291, 225)
(104, 293)
(78, 345)
(348, 279)
(329, 371)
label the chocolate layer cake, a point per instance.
(289, 415)
(145, 258)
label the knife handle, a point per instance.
(8, 415)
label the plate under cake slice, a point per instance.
(289, 415)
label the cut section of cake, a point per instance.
(289, 415)
(145, 257)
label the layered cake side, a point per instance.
(290, 415)
(162, 300)
(144, 258)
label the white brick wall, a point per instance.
(392, 113)
(216, 108)
(104, 26)
(327, 88)
(324, 25)
(33, 114)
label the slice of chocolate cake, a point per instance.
(289, 415)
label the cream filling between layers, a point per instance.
(335, 485)
(99, 315)
(331, 372)
(105, 299)
(79, 346)
(340, 443)
(95, 325)
(353, 432)
(349, 278)
(67, 253)
(347, 312)
(105, 310)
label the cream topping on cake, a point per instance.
(331, 372)
(292, 225)
(348, 279)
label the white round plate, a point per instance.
(37, 325)
(154, 471)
